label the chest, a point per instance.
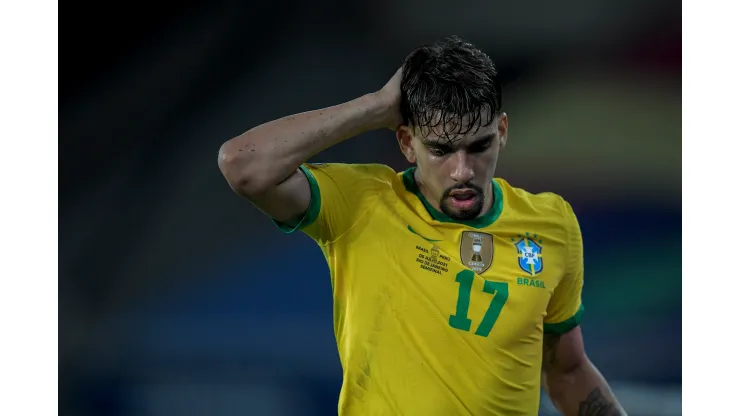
(492, 284)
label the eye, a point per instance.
(480, 148)
(437, 151)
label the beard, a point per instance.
(446, 206)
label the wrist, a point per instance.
(380, 112)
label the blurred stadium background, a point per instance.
(168, 296)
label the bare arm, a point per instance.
(574, 385)
(261, 164)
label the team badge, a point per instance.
(529, 252)
(476, 250)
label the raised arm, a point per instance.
(262, 163)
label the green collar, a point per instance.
(481, 222)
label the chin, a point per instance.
(465, 215)
(459, 215)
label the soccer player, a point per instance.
(454, 292)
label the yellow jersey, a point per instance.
(434, 316)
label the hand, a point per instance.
(390, 98)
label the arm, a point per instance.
(262, 163)
(573, 383)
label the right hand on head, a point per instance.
(390, 98)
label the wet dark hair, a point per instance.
(446, 81)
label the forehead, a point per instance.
(439, 137)
(456, 130)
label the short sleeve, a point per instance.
(565, 308)
(338, 199)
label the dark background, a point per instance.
(167, 295)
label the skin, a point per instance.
(261, 165)
(573, 383)
(463, 163)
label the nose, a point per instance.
(462, 171)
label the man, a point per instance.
(454, 293)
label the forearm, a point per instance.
(266, 155)
(582, 391)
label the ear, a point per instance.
(405, 137)
(503, 130)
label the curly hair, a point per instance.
(451, 84)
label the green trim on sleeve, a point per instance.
(565, 326)
(314, 207)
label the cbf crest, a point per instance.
(529, 253)
(476, 250)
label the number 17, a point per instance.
(460, 320)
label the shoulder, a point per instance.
(544, 205)
(549, 212)
(373, 171)
(522, 200)
(351, 178)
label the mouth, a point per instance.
(463, 199)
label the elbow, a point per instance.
(566, 369)
(241, 170)
(560, 379)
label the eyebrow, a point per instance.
(439, 143)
